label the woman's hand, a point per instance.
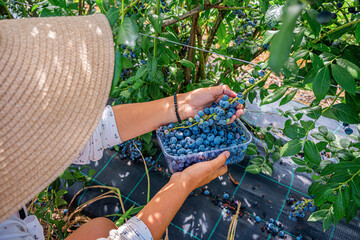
(202, 173)
(192, 102)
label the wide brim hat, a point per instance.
(55, 78)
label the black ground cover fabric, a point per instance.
(199, 217)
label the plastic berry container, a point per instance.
(237, 152)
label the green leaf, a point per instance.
(117, 71)
(128, 33)
(254, 169)
(187, 63)
(302, 169)
(274, 96)
(222, 34)
(357, 33)
(154, 91)
(91, 172)
(101, 5)
(258, 160)
(339, 206)
(311, 152)
(251, 149)
(288, 97)
(311, 19)
(321, 146)
(113, 15)
(351, 67)
(323, 130)
(269, 139)
(157, 22)
(307, 125)
(318, 215)
(147, 137)
(291, 148)
(343, 78)
(266, 169)
(351, 211)
(300, 54)
(346, 113)
(321, 83)
(275, 156)
(327, 220)
(299, 161)
(294, 131)
(273, 15)
(281, 44)
(316, 61)
(269, 34)
(345, 143)
(298, 38)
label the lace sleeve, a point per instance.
(105, 136)
(134, 229)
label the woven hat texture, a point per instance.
(55, 78)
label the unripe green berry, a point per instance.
(191, 119)
(228, 120)
(201, 121)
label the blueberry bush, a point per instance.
(312, 45)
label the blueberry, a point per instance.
(197, 118)
(225, 97)
(207, 111)
(173, 140)
(206, 192)
(348, 131)
(226, 196)
(201, 113)
(251, 80)
(324, 17)
(261, 73)
(351, 10)
(345, 124)
(339, 4)
(258, 219)
(199, 141)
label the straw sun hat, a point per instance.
(55, 78)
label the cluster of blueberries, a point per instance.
(164, 8)
(166, 73)
(186, 42)
(347, 129)
(205, 136)
(299, 208)
(273, 227)
(261, 74)
(130, 53)
(350, 9)
(128, 150)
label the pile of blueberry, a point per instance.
(299, 208)
(129, 53)
(128, 150)
(273, 227)
(347, 129)
(205, 136)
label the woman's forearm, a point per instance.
(135, 119)
(159, 212)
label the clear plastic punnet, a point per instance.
(237, 152)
